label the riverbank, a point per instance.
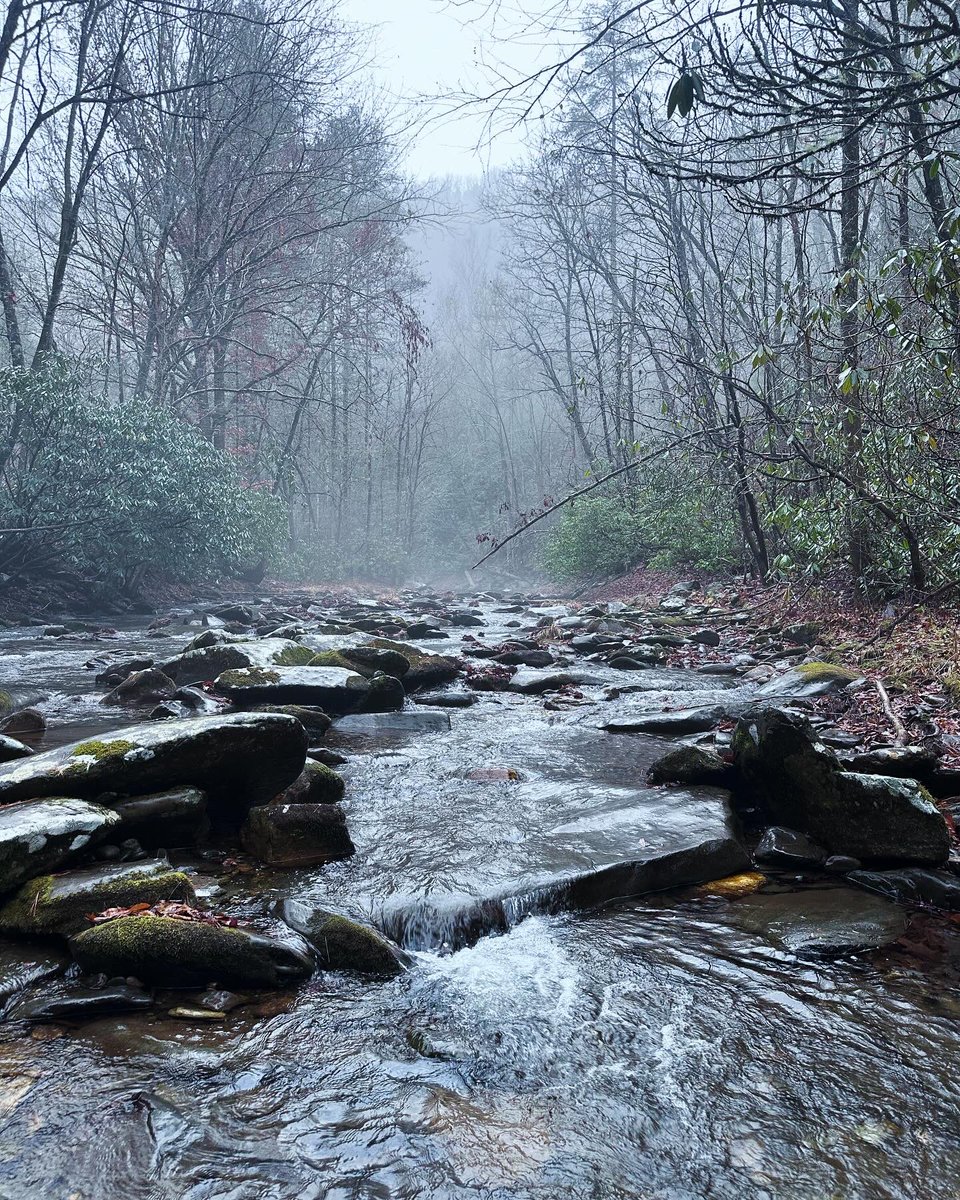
(912, 651)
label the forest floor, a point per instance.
(912, 651)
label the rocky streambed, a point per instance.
(462, 896)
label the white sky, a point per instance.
(426, 48)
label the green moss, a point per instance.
(248, 677)
(294, 656)
(99, 750)
(38, 908)
(816, 671)
(342, 944)
(331, 658)
(6, 702)
(177, 953)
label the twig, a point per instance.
(898, 726)
(637, 462)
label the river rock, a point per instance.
(827, 922)
(424, 670)
(385, 694)
(690, 765)
(533, 682)
(342, 944)
(397, 724)
(175, 953)
(28, 722)
(789, 849)
(330, 688)
(83, 1003)
(364, 660)
(669, 724)
(912, 885)
(116, 672)
(22, 965)
(297, 835)
(907, 762)
(316, 784)
(175, 817)
(11, 749)
(800, 782)
(447, 699)
(39, 835)
(61, 904)
(142, 687)
(807, 681)
(240, 759)
(195, 666)
(314, 720)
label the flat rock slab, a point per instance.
(397, 724)
(41, 835)
(242, 758)
(532, 682)
(334, 689)
(668, 724)
(829, 921)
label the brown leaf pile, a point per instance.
(164, 908)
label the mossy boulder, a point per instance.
(314, 720)
(691, 765)
(425, 670)
(366, 660)
(41, 835)
(207, 662)
(800, 784)
(342, 944)
(297, 835)
(385, 694)
(60, 904)
(333, 689)
(316, 784)
(175, 953)
(808, 680)
(239, 759)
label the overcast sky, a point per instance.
(426, 48)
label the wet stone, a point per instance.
(912, 885)
(780, 847)
(668, 724)
(316, 784)
(830, 922)
(395, 724)
(333, 689)
(297, 835)
(175, 817)
(175, 953)
(42, 835)
(343, 944)
(83, 1003)
(11, 749)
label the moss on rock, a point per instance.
(164, 950)
(60, 904)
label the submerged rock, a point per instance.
(912, 885)
(61, 904)
(399, 723)
(83, 1003)
(23, 965)
(40, 835)
(532, 682)
(342, 944)
(331, 688)
(240, 759)
(669, 724)
(827, 922)
(175, 953)
(297, 835)
(800, 782)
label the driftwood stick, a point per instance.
(637, 462)
(898, 726)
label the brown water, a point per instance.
(666, 1048)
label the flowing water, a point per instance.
(670, 1048)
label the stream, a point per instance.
(683, 1045)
